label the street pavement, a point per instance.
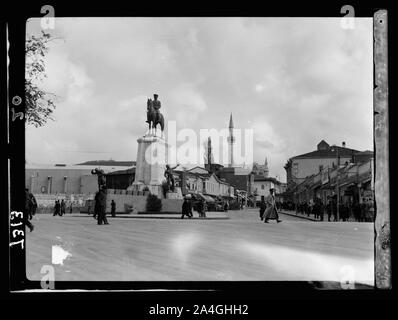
(241, 248)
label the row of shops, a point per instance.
(352, 183)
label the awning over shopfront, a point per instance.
(347, 184)
(316, 185)
(228, 197)
(207, 198)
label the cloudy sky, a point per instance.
(293, 81)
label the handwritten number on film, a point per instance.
(16, 101)
(16, 115)
(17, 235)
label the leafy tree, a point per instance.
(153, 203)
(39, 103)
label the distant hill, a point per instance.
(108, 163)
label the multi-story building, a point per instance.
(298, 168)
(262, 185)
(239, 178)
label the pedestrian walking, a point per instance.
(362, 211)
(33, 205)
(329, 209)
(113, 208)
(271, 213)
(226, 206)
(100, 206)
(334, 208)
(263, 206)
(321, 209)
(202, 208)
(63, 207)
(343, 212)
(315, 210)
(369, 213)
(356, 211)
(57, 208)
(186, 209)
(71, 207)
(27, 213)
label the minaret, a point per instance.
(266, 171)
(209, 155)
(209, 151)
(231, 141)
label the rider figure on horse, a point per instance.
(155, 104)
(154, 117)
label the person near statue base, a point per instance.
(186, 209)
(271, 213)
(168, 174)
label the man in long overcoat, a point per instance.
(271, 212)
(186, 209)
(263, 206)
(100, 207)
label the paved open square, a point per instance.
(241, 248)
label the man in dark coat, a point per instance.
(27, 213)
(321, 209)
(100, 206)
(33, 205)
(334, 208)
(113, 208)
(57, 208)
(186, 209)
(226, 206)
(202, 208)
(63, 207)
(271, 212)
(263, 206)
(329, 209)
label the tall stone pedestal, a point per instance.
(177, 194)
(151, 164)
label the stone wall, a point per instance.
(138, 201)
(46, 202)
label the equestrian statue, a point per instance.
(154, 117)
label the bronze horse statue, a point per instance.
(154, 117)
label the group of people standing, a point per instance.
(187, 208)
(360, 212)
(60, 208)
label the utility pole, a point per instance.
(337, 185)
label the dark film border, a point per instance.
(16, 149)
